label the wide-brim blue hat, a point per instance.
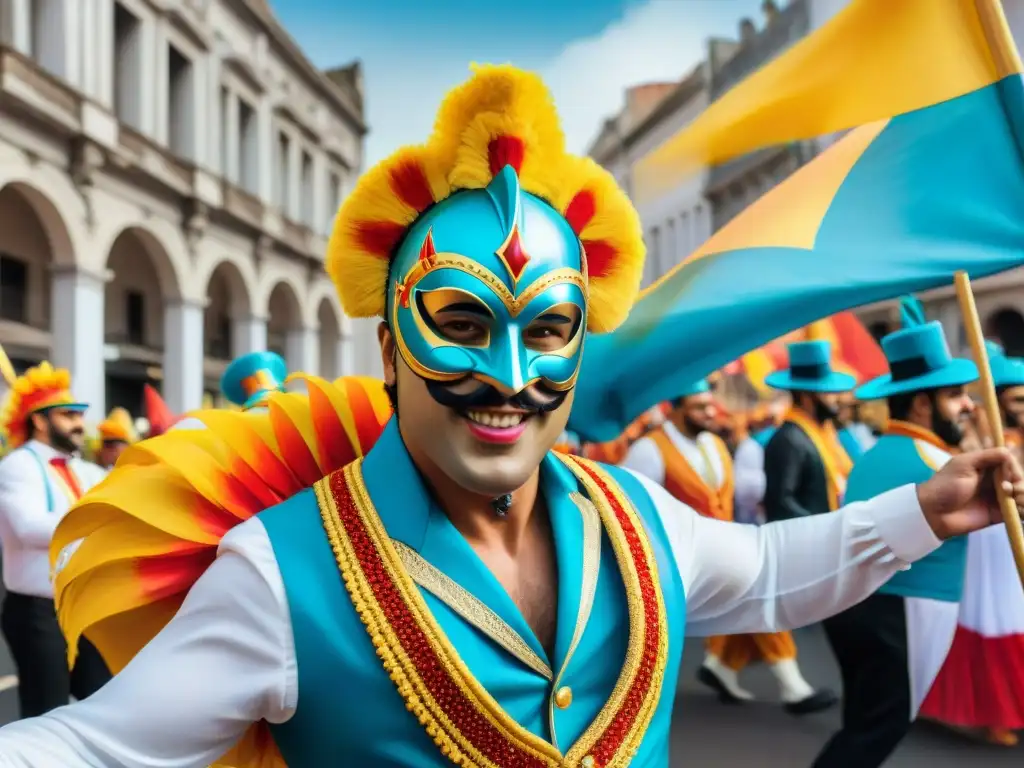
(699, 387)
(810, 370)
(919, 360)
(250, 378)
(1006, 371)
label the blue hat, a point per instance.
(810, 370)
(251, 378)
(698, 387)
(1006, 371)
(919, 359)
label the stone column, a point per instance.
(155, 92)
(231, 164)
(302, 350)
(77, 323)
(266, 151)
(183, 355)
(248, 334)
(293, 206)
(344, 358)
(99, 52)
(21, 25)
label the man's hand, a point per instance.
(961, 497)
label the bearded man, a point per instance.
(40, 479)
(891, 646)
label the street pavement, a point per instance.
(708, 734)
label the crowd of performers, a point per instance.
(400, 572)
(943, 641)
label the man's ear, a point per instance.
(921, 405)
(387, 353)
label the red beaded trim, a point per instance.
(628, 723)
(469, 735)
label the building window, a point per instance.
(48, 37)
(135, 317)
(248, 148)
(127, 66)
(282, 187)
(13, 289)
(181, 104)
(306, 214)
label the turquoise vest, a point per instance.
(349, 712)
(894, 461)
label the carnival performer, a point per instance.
(694, 465)
(980, 687)
(40, 479)
(891, 646)
(482, 600)
(805, 465)
(115, 433)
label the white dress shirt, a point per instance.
(227, 659)
(750, 480)
(28, 516)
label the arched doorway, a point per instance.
(1007, 327)
(27, 255)
(134, 310)
(228, 305)
(284, 325)
(330, 341)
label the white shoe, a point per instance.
(714, 674)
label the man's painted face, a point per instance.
(487, 309)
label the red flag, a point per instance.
(158, 414)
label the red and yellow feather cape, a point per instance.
(151, 529)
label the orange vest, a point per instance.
(686, 484)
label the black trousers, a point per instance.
(37, 645)
(870, 645)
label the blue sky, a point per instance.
(588, 51)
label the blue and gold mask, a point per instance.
(491, 283)
(489, 250)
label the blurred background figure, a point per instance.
(250, 379)
(115, 433)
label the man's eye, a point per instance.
(463, 330)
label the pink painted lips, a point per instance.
(501, 427)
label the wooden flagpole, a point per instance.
(972, 324)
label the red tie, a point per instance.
(60, 464)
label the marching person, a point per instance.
(116, 433)
(40, 479)
(980, 688)
(805, 465)
(693, 464)
(891, 646)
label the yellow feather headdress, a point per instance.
(39, 388)
(500, 116)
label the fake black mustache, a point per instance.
(486, 396)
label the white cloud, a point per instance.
(660, 40)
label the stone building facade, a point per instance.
(169, 172)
